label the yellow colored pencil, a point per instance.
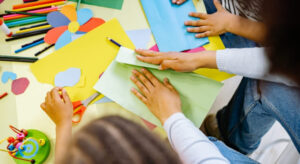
(33, 29)
(40, 6)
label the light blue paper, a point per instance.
(68, 78)
(8, 75)
(167, 25)
(140, 38)
(103, 100)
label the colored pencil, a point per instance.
(18, 59)
(33, 29)
(24, 13)
(27, 34)
(29, 46)
(40, 6)
(78, 4)
(27, 21)
(21, 19)
(32, 42)
(40, 11)
(38, 25)
(3, 95)
(27, 1)
(42, 2)
(43, 50)
(116, 43)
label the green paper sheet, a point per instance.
(114, 4)
(197, 93)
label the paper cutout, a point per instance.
(140, 38)
(167, 25)
(197, 92)
(68, 78)
(19, 85)
(114, 4)
(155, 48)
(103, 100)
(92, 53)
(69, 24)
(149, 124)
(8, 75)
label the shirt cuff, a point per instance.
(173, 118)
(221, 56)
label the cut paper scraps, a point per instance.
(114, 4)
(167, 25)
(197, 92)
(8, 75)
(69, 25)
(92, 53)
(68, 78)
(149, 124)
(19, 85)
(140, 38)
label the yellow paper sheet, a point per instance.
(92, 53)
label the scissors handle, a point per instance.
(77, 116)
(76, 104)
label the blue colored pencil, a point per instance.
(114, 42)
(29, 46)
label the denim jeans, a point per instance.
(230, 40)
(253, 110)
(232, 156)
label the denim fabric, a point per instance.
(253, 110)
(232, 156)
(230, 40)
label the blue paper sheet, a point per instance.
(140, 38)
(167, 25)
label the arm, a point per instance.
(222, 21)
(59, 108)
(191, 144)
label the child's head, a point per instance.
(114, 139)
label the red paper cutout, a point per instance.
(19, 85)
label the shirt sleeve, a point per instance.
(192, 146)
(249, 62)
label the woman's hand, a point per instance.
(58, 106)
(162, 99)
(178, 2)
(210, 24)
(181, 62)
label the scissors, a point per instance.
(79, 107)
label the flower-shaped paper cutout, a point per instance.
(69, 25)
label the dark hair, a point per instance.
(282, 22)
(116, 140)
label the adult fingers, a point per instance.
(204, 34)
(143, 79)
(139, 95)
(169, 85)
(178, 2)
(198, 15)
(218, 5)
(150, 76)
(141, 87)
(65, 96)
(152, 59)
(147, 52)
(170, 64)
(195, 23)
(199, 29)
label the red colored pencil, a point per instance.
(30, 4)
(3, 95)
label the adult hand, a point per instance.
(178, 2)
(181, 62)
(162, 99)
(58, 106)
(210, 24)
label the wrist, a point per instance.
(231, 22)
(206, 59)
(172, 111)
(64, 125)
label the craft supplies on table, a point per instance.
(5, 29)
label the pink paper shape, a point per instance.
(19, 85)
(149, 124)
(155, 48)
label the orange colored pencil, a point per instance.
(40, 6)
(25, 5)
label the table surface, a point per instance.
(24, 110)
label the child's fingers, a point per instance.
(141, 87)
(48, 97)
(143, 79)
(218, 5)
(179, 2)
(199, 29)
(195, 23)
(65, 96)
(151, 77)
(199, 15)
(139, 95)
(204, 34)
(55, 95)
(43, 106)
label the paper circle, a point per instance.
(73, 26)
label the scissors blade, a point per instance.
(90, 99)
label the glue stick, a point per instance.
(5, 29)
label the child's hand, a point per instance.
(210, 24)
(58, 107)
(181, 62)
(162, 99)
(178, 2)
